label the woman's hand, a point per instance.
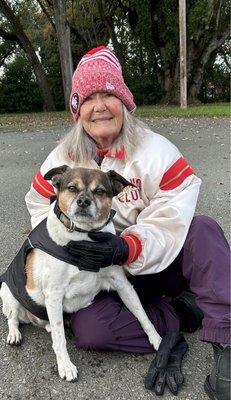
(107, 249)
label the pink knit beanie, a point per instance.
(98, 71)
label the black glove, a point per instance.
(107, 249)
(165, 369)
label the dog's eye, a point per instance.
(72, 189)
(99, 191)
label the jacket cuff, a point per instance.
(135, 248)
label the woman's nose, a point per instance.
(99, 104)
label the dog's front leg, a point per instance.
(131, 300)
(53, 301)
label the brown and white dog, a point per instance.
(62, 287)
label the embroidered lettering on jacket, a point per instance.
(131, 194)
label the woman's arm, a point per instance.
(163, 225)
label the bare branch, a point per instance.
(49, 3)
(46, 13)
(213, 45)
(218, 14)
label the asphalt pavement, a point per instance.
(30, 372)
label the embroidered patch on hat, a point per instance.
(109, 86)
(74, 102)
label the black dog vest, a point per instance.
(15, 275)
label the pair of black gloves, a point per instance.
(108, 249)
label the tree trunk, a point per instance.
(170, 83)
(198, 56)
(48, 103)
(198, 63)
(64, 45)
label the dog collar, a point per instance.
(72, 227)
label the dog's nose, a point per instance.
(83, 202)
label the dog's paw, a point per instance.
(48, 328)
(155, 340)
(68, 372)
(14, 337)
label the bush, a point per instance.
(145, 88)
(19, 91)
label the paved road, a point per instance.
(29, 372)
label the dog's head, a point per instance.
(85, 195)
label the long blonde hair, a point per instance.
(82, 148)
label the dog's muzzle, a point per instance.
(85, 207)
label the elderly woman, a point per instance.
(162, 246)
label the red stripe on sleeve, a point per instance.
(135, 248)
(176, 174)
(41, 186)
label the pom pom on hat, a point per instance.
(99, 70)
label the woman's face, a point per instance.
(102, 118)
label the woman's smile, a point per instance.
(103, 119)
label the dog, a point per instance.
(84, 200)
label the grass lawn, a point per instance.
(204, 110)
(10, 122)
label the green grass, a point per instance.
(205, 110)
(27, 121)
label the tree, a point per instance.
(55, 11)
(208, 30)
(152, 29)
(64, 43)
(18, 35)
(216, 79)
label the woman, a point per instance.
(162, 247)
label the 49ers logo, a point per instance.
(74, 102)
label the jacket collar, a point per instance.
(120, 153)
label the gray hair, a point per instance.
(78, 145)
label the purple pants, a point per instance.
(203, 265)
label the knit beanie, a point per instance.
(98, 71)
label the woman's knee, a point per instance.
(204, 230)
(89, 332)
(91, 325)
(204, 223)
(205, 249)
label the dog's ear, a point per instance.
(118, 182)
(55, 175)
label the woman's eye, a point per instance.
(106, 95)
